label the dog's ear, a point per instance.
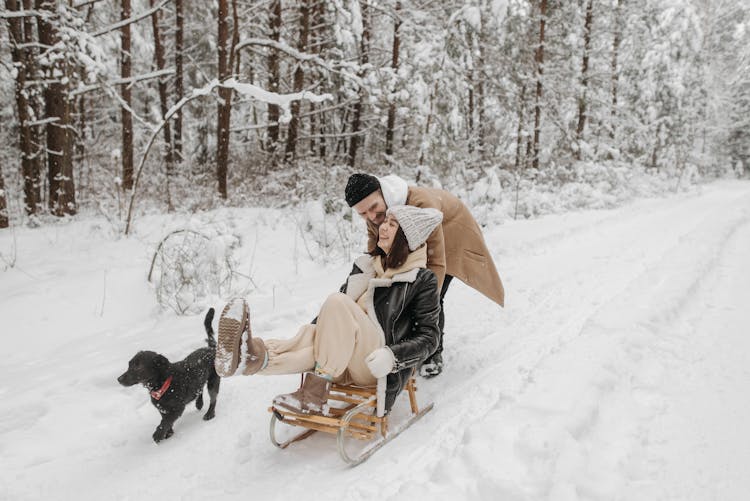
(161, 362)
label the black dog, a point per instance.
(173, 386)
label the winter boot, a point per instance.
(235, 347)
(432, 366)
(310, 398)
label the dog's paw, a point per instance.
(160, 434)
(209, 415)
(199, 402)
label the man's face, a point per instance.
(372, 207)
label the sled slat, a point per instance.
(353, 390)
(332, 423)
(355, 419)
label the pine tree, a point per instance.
(57, 108)
(4, 220)
(299, 81)
(126, 95)
(20, 43)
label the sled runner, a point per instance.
(353, 414)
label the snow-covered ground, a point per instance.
(619, 369)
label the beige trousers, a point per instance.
(339, 342)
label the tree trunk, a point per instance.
(318, 122)
(470, 114)
(539, 59)
(584, 76)
(428, 123)
(179, 78)
(127, 117)
(364, 58)
(4, 220)
(273, 76)
(470, 86)
(390, 125)
(225, 96)
(519, 131)
(163, 100)
(81, 139)
(226, 70)
(317, 43)
(36, 105)
(299, 82)
(615, 70)
(57, 107)
(16, 33)
(657, 147)
(479, 90)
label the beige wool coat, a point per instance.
(456, 247)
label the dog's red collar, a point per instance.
(157, 394)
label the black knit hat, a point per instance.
(359, 186)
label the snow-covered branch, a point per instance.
(24, 13)
(122, 81)
(43, 121)
(296, 54)
(130, 20)
(281, 100)
(85, 3)
(302, 56)
(316, 111)
(109, 89)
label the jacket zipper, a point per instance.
(401, 364)
(403, 302)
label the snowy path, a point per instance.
(618, 370)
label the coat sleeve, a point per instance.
(436, 255)
(424, 309)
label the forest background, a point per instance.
(120, 107)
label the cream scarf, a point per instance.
(416, 259)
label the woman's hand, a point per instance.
(380, 362)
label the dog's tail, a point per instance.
(209, 328)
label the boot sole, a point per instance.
(234, 318)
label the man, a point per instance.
(456, 248)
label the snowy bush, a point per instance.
(190, 266)
(327, 230)
(494, 194)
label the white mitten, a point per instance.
(380, 362)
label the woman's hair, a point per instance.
(398, 254)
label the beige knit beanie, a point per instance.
(417, 223)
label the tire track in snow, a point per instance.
(568, 298)
(490, 395)
(623, 381)
(702, 367)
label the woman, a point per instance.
(384, 322)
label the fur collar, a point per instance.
(359, 283)
(415, 259)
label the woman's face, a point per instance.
(387, 232)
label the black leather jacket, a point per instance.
(407, 310)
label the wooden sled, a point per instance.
(352, 415)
